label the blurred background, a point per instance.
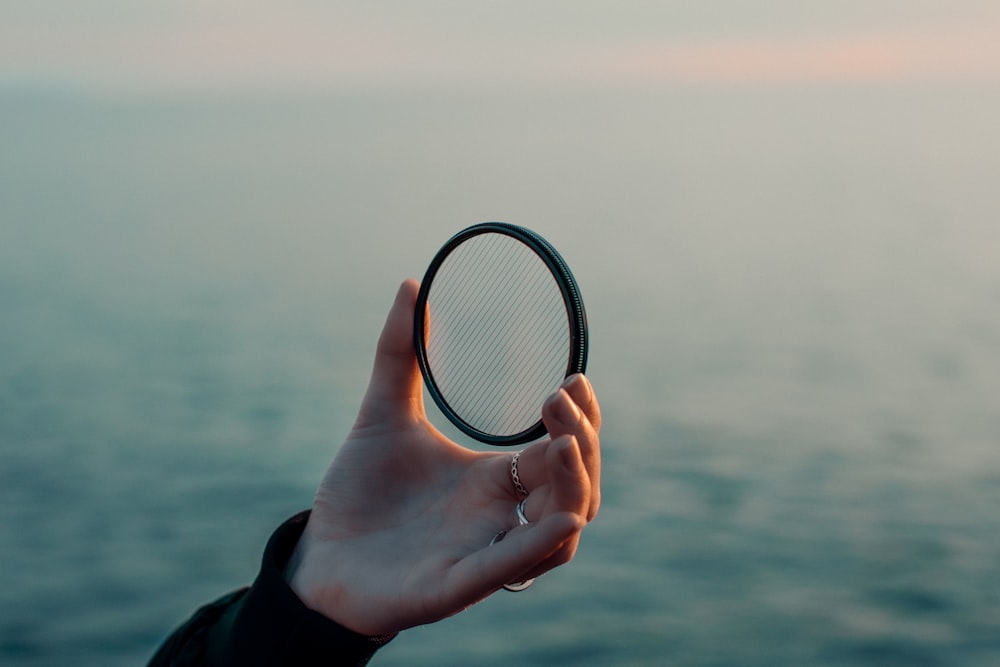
(784, 218)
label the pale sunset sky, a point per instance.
(225, 45)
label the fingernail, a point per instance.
(566, 453)
(581, 385)
(565, 409)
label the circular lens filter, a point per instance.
(499, 325)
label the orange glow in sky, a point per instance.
(972, 55)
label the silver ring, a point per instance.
(519, 586)
(518, 486)
(522, 520)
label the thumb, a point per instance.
(395, 387)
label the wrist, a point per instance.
(295, 573)
(272, 624)
(311, 574)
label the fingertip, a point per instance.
(396, 333)
(567, 450)
(579, 385)
(580, 389)
(406, 298)
(565, 526)
(570, 478)
(560, 413)
(408, 288)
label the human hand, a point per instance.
(402, 522)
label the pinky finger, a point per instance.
(526, 549)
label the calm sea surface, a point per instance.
(794, 298)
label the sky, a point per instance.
(266, 44)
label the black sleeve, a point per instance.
(266, 624)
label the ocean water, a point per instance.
(794, 299)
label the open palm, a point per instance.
(401, 528)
